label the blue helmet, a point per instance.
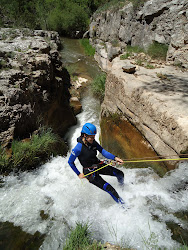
(89, 129)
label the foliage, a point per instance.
(89, 50)
(64, 16)
(113, 4)
(98, 86)
(80, 238)
(31, 152)
(134, 49)
(125, 56)
(4, 160)
(158, 50)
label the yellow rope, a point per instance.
(178, 159)
(98, 169)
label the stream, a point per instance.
(157, 205)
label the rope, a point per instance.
(178, 159)
(137, 161)
(98, 169)
(153, 157)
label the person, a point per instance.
(86, 151)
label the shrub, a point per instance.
(78, 237)
(98, 86)
(29, 153)
(158, 50)
(89, 50)
(4, 160)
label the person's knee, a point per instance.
(108, 188)
(120, 176)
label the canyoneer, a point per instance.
(86, 151)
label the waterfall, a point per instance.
(56, 189)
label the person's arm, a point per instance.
(74, 154)
(108, 155)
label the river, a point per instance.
(155, 203)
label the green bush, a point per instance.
(98, 86)
(80, 238)
(29, 153)
(158, 50)
(4, 160)
(89, 50)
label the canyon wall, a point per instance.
(153, 99)
(34, 86)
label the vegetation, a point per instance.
(117, 4)
(98, 86)
(129, 50)
(64, 16)
(89, 50)
(158, 50)
(29, 153)
(155, 51)
(80, 238)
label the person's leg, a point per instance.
(109, 170)
(98, 181)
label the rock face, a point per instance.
(33, 84)
(154, 100)
(162, 21)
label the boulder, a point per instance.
(129, 68)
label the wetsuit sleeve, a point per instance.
(74, 154)
(105, 153)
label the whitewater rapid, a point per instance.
(55, 189)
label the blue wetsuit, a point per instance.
(87, 155)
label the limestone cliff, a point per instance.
(154, 100)
(33, 84)
(162, 21)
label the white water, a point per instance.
(57, 190)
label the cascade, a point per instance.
(155, 203)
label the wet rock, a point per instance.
(75, 103)
(13, 237)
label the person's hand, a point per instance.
(120, 161)
(81, 176)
